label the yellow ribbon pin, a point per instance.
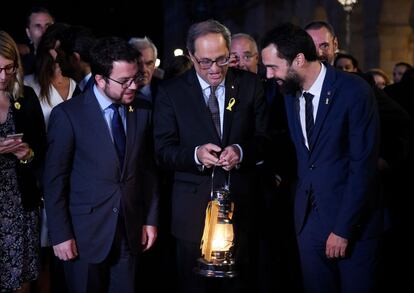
(17, 105)
(130, 109)
(231, 103)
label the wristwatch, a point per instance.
(29, 158)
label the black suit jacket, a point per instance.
(182, 122)
(84, 184)
(28, 119)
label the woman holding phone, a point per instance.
(22, 149)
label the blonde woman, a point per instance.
(22, 148)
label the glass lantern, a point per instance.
(217, 257)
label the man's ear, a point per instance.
(100, 81)
(28, 35)
(299, 60)
(335, 44)
(76, 57)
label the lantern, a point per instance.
(218, 237)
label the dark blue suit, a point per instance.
(85, 188)
(336, 190)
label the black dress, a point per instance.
(19, 227)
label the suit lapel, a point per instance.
(198, 104)
(325, 102)
(230, 103)
(95, 119)
(131, 122)
(292, 106)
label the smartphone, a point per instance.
(14, 136)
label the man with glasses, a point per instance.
(243, 52)
(326, 43)
(100, 190)
(211, 118)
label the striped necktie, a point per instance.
(213, 106)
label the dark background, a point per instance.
(118, 17)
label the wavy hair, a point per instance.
(9, 51)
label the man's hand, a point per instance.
(207, 154)
(66, 250)
(229, 158)
(149, 235)
(336, 246)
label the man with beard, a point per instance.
(324, 38)
(99, 176)
(333, 121)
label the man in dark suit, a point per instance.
(74, 55)
(100, 190)
(146, 64)
(189, 141)
(333, 121)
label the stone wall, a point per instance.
(396, 34)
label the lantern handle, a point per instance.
(226, 186)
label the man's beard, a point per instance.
(292, 83)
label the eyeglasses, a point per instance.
(207, 63)
(127, 83)
(9, 69)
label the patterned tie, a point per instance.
(213, 106)
(309, 116)
(118, 133)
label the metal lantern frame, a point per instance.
(217, 244)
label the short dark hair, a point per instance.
(78, 39)
(107, 50)
(291, 40)
(346, 56)
(37, 9)
(206, 27)
(408, 66)
(318, 24)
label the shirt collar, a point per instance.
(104, 101)
(84, 81)
(316, 87)
(204, 85)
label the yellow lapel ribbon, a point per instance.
(231, 103)
(131, 109)
(17, 105)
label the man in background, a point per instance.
(149, 83)
(244, 53)
(326, 43)
(38, 20)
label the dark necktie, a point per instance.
(118, 133)
(309, 116)
(213, 106)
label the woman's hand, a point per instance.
(9, 145)
(16, 147)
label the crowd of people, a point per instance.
(108, 163)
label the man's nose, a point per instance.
(269, 73)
